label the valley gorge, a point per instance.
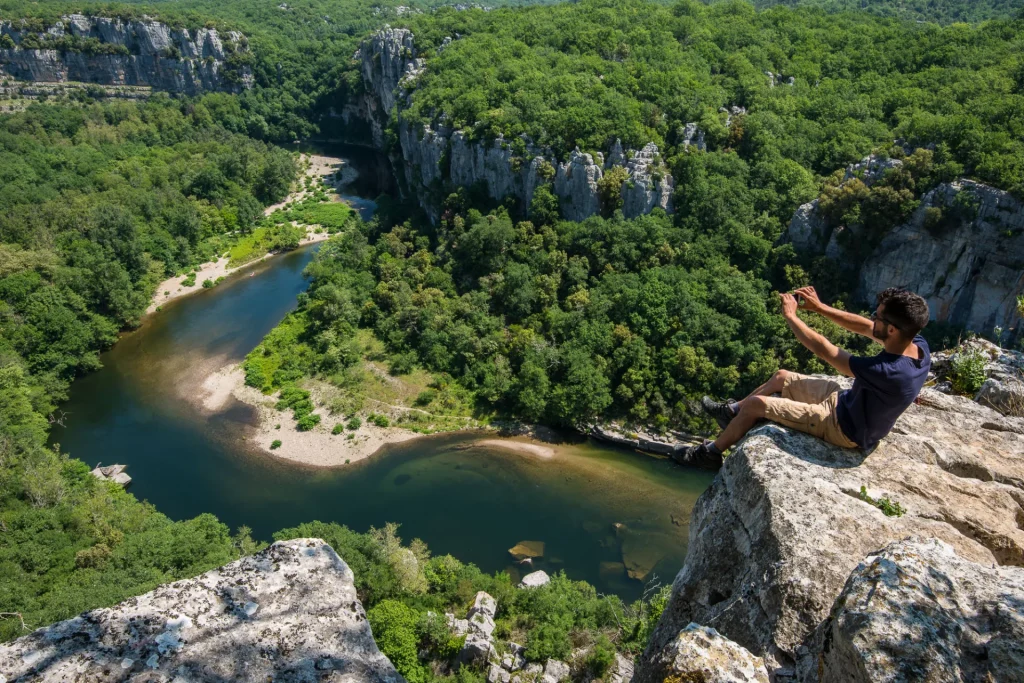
(574, 224)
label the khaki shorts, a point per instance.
(808, 404)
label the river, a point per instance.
(593, 506)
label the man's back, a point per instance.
(884, 386)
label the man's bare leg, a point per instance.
(751, 409)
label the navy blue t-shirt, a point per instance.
(883, 387)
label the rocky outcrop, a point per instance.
(436, 155)
(918, 612)
(110, 51)
(289, 613)
(970, 272)
(478, 648)
(774, 539)
(962, 250)
(699, 653)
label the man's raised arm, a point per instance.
(850, 321)
(815, 342)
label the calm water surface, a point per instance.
(593, 506)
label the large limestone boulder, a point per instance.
(774, 538)
(700, 653)
(918, 612)
(288, 613)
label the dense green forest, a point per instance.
(98, 203)
(942, 11)
(513, 309)
(584, 74)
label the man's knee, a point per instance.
(753, 406)
(780, 376)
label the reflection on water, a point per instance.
(596, 509)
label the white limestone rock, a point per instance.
(700, 653)
(289, 612)
(649, 184)
(175, 60)
(535, 579)
(555, 671)
(918, 612)
(386, 57)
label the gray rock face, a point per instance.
(288, 613)
(700, 653)
(918, 612)
(555, 671)
(774, 538)
(576, 186)
(390, 68)
(647, 187)
(971, 273)
(386, 58)
(152, 54)
(969, 266)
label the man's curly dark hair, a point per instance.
(905, 310)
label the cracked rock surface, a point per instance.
(288, 613)
(918, 612)
(774, 539)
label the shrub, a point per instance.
(189, 280)
(353, 423)
(207, 283)
(379, 420)
(548, 641)
(307, 422)
(426, 397)
(601, 656)
(338, 429)
(275, 444)
(967, 371)
(395, 628)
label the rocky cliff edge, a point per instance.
(792, 557)
(288, 613)
(111, 51)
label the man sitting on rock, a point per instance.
(884, 385)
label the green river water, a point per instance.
(593, 506)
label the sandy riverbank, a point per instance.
(318, 447)
(172, 288)
(334, 171)
(519, 446)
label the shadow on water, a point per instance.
(594, 507)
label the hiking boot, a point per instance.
(722, 411)
(703, 456)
